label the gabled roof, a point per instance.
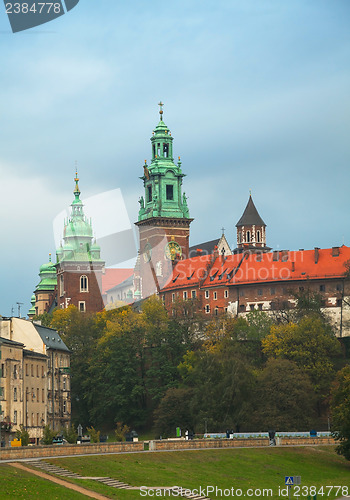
(207, 247)
(114, 277)
(250, 216)
(3, 340)
(255, 268)
(189, 272)
(50, 338)
(128, 282)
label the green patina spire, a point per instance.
(48, 277)
(162, 178)
(78, 234)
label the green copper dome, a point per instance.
(48, 277)
(31, 311)
(78, 234)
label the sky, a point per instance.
(256, 94)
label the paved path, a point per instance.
(70, 486)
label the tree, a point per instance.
(340, 408)
(310, 345)
(174, 411)
(48, 435)
(22, 434)
(221, 381)
(283, 398)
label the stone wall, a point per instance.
(68, 449)
(164, 444)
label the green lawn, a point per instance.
(15, 483)
(240, 468)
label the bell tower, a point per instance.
(251, 229)
(164, 220)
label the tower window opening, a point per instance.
(248, 237)
(83, 284)
(165, 150)
(240, 237)
(149, 193)
(61, 285)
(258, 237)
(158, 149)
(169, 192)
(154, 150)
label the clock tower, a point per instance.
(164, 220)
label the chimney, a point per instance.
(335, 251)
(316, 254)
(293, 267)
(216, 252)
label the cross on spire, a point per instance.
(223, 230)
(160, 104)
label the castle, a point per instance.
(219, 279)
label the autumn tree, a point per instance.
(283, 398)
(340, 408)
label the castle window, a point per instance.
(215, 295)
(82, 307)
(173, 297)
(158, 149)
(258, 237)
(61, 285)
(322, 288)
(154, 150)
(226, 294)
(169, 192)
(83, 284)
(207, 309)
(260, 306)
(216, 311)
(15, 394)
(272, 291)
(149, 193)
(207, 294)
(240, 237)
(242, 307)
(248, 237)
(252, 307)
(185, 295)
(193, 294)
(260, 292)
(166, 150)
(15, 417)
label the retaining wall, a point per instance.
(67, 449)
(164, 444)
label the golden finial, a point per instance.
(160, 104)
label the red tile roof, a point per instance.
(259, 268)
(113, 277)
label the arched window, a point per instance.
(83, 284)
(258, 237)
(240, 237)
(248, 237)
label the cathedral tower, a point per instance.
(79, 266)
(163, 221)
(251, 229)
